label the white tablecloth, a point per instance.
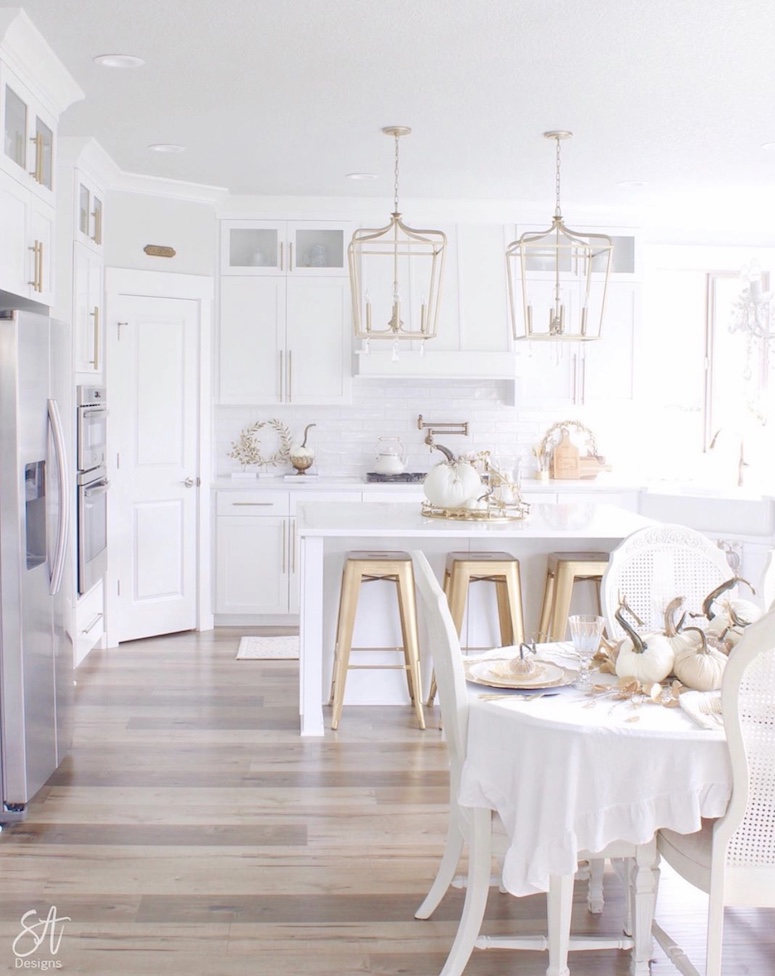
(567, 777)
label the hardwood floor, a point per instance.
(192, 831)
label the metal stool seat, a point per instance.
(563, 571)
(501, 568)
(366, 567)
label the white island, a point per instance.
(328, 530)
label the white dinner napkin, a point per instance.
(703, 708)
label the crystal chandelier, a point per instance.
(558, 278)
(753, 312)
(395, 275)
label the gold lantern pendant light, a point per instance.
(395, 275)
(558, 278)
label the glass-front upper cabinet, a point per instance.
(28, 137)
(90, 214)
(300, 248)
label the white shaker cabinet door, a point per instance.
(252, 564)
(252, 367)
(318, 364)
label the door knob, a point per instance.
(189, 483)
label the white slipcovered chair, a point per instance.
(656, 564)
(733, 858)
(475, 827)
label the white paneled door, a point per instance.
(154, 407)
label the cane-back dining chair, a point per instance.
(474, 827)
(733, 858)
(654, 565)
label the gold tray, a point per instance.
(510, 514)
(495, 674)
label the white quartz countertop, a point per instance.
(385, 520)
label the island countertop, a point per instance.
(405, 519)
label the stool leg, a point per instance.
(408, 614)
(433, 688)
(505, 620)
(546, 609)
(513, 591)
(457, 593)
(562, 597)
(348, 602)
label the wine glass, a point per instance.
(586, 631)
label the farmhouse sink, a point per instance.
(718, 509)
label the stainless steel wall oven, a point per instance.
(92, 486)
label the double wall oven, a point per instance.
(92, 481)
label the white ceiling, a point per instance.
(285, 97)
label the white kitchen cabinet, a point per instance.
(601, 371)
(256, 549)
(28, 136)
(252, 554)
(26, 243)
(302, 249)
(89, 211)
(284, 341)
(88, 304)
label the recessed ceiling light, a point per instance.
(362, 176)
(118, 61)
(627, 184)
(768, 145)
(166, 147)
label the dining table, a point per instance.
(572, 769)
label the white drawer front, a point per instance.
(253, 503)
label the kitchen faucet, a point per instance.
(741, 462)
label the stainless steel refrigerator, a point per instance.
(36, 563)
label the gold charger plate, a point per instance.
(496, 674)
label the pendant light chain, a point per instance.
(557, 212)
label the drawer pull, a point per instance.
(93, 624)
(252, 504)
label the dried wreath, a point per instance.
(247, 448)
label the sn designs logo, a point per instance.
(39, 932)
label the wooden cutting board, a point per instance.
(565, 458)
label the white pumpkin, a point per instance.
(700, 667)
(647, 658)
(452, 483)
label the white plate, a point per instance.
(496, 674)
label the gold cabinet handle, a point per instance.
(284, 545)
(290, 376)
(37, 173)
(290, 256)
(293, 546)
(97, 235)
(281, 255)
(37, 266)
(280, 378)
(96, 338)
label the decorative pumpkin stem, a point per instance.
(671, 629)
(703, 637)
(638, 644)
(710, 599)
(306, 431)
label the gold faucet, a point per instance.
(741, 462)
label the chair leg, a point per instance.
(453, 849)
(715, 937)
(563, 589)
(479, 856)
(559, 901)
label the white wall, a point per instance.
(136, 219)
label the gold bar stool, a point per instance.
(366, 567)
(563, 571)
(463, 568)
